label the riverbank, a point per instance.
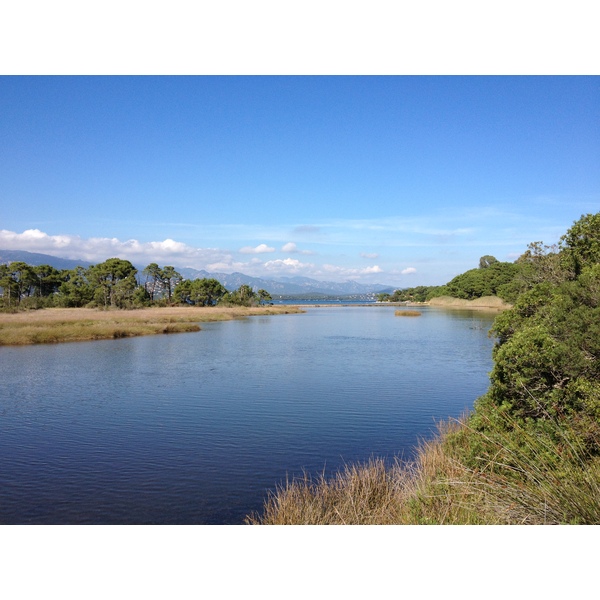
(55, 325)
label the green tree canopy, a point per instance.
(203, 292)
(153, 283)
(483, 281)
(114, 282)
(547, 358)
(264, 296)
(581, 243)
(76, 289)
(48, 280)
(169, 279)
(243, 296)
(486, 261)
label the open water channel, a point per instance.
(195, 428)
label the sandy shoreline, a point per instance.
(490, 303)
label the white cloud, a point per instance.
(179, 254)
(168, 246)
(260, 249)
(99, 249)
(291, 248)
(370, 255)
(290, 265)
(345, 272)
(408, 271)
(369, 270)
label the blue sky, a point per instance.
(399, 180)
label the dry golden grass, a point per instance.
(54, 325)
(544, 485)
(491, 303)
(407, 313)
(445, 492)
(362, 494)
(433, 489)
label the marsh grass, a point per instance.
(526, 478)
(81, 324)
(407, 313)
(44, 333)
(361, 494)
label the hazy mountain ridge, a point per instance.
(287, 285)
(35, 259)
(232, 281)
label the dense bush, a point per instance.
(546, 375)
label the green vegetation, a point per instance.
(113, 284)
(491, 278)
(201, 292)
(245, 296)
(106, 288)
(530, 451)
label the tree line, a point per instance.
(507, 280)
(114, 283)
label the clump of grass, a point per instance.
(361, 494)
(407, 313)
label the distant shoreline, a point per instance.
(487, 303)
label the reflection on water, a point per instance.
(194, 428)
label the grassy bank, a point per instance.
(529, 479)
(53, 325)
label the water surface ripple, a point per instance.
(195, 428)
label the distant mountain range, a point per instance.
(288, 285)
(280, 286)
(35, 259)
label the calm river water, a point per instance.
(195, 428)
